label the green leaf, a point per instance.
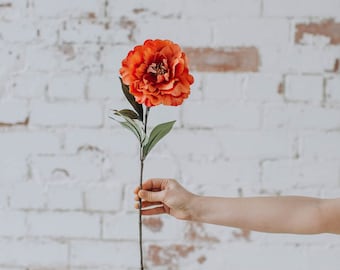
(129, 113)
(131, 125)
(132, 128)
(138, 107)
(156, 135)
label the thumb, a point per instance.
(151, 196)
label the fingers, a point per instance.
(154, 211)
(148, 185)
(156, 208)
(155, 184)
(147, 204)
(151, 196)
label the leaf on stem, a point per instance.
(129, 113)
(131, 125)
(138, 107)
(156, 135)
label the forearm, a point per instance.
(266, 214)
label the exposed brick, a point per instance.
(169, 230)
(336, 67)
(328, 28)
(155, 224)
(242, 234)
(169, 255)
(226, 256)
(245, 59)
(196, 232)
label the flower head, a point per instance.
(157, 73)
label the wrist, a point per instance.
(194, 208)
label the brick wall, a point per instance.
(263, 119)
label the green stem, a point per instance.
(141, 187)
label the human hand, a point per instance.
(164, 196)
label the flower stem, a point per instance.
(140, 216)
(141, 187)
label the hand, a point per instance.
(160, 196)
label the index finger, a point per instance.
(154, 184)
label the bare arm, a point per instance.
(287, 214)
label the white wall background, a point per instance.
(67, 172)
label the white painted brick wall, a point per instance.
(304, 88)
(67, 171)
(67, 86)
(25, 252)
(332, 89)
(103, 198)
(63, 225)
(80, 114)
(13, 111)
(15, 225)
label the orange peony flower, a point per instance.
(157, 73)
